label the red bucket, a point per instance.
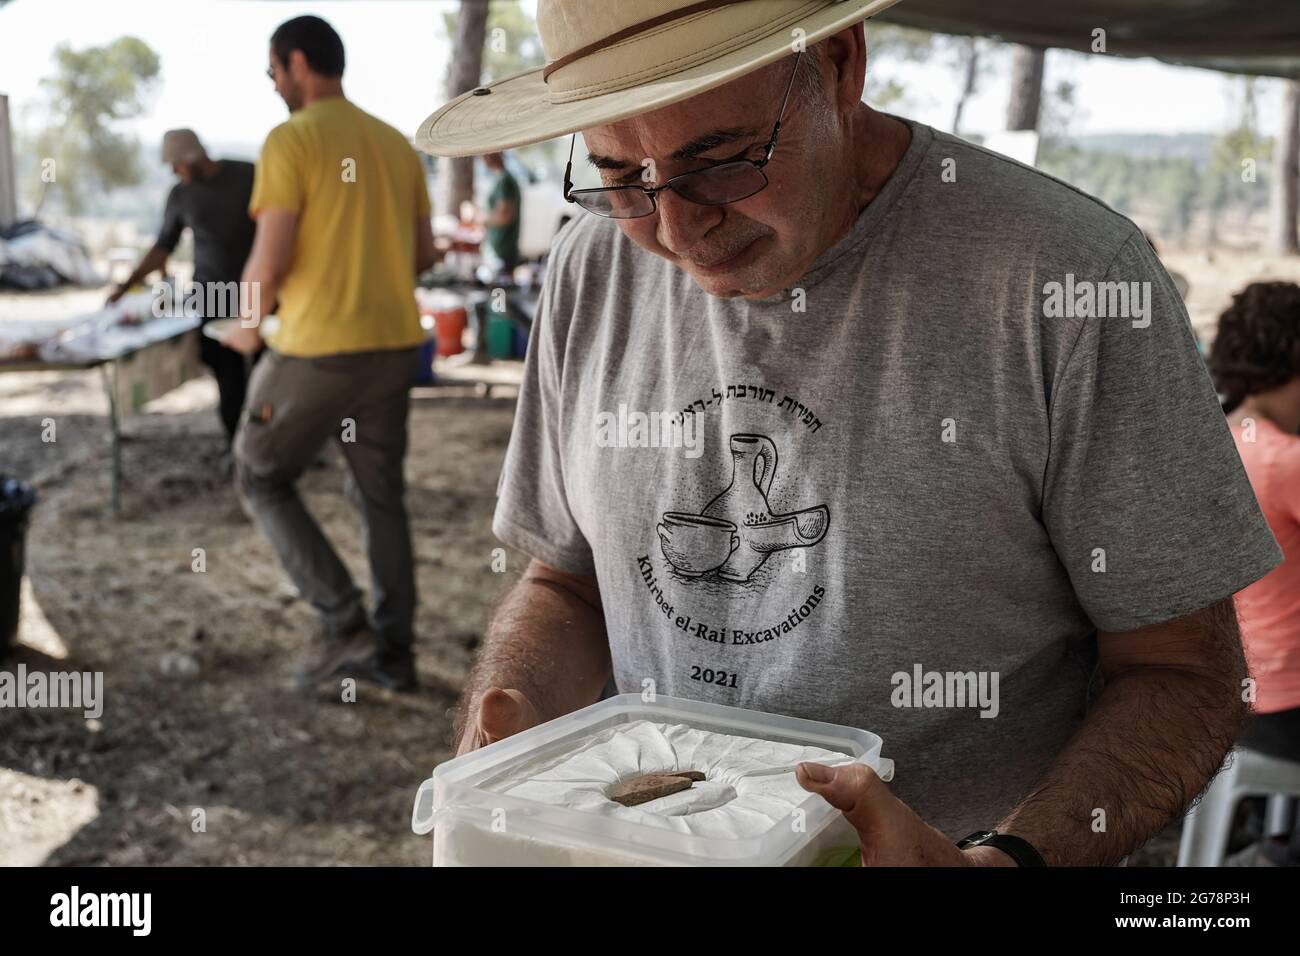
(449, 329)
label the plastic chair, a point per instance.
(1246, 773)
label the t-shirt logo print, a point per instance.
(734, 534)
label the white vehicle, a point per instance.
(543, 209)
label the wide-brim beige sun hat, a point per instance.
(608, 60)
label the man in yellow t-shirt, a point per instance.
(342, 231)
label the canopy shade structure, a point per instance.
(1260, 37)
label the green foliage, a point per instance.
(1231, 149)
(1171, 181)
(511, 45)
(516, 47)
(92, 90)
(512, 50)
(1168, 190)
(1058, 108)
(887, 42)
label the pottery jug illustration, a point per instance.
(744, 504)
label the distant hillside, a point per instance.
(1189, 189)
(1198, 147)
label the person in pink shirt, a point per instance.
(1255, 361)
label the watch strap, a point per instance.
(1020, 850)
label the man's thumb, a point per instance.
(850, 788)
(502, 713)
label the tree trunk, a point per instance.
(463, 74)
(1286, 175)
(1026, 88)
(8, 190)
(1213, 214)
(971, 57)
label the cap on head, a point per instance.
(182, 146)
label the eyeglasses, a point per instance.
(726, 182)
(270, 72)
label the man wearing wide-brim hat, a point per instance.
(833, 415)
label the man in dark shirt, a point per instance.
(211, 200)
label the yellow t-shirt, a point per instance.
(357, 186)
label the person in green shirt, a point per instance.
(501, 223)
(500, 244)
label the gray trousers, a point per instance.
(294, 406)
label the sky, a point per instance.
(214, 59)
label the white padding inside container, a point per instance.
(749, 784)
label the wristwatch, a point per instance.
(1022, 851)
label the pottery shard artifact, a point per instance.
(652, 786)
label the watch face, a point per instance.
(975, 839)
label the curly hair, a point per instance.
(1257, 347)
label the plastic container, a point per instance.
(500, 337)
(474, 825)
(424, 375)
(449, 326)
(443, 313)
(521, 343)
(16, 501)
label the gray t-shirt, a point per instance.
(940, 466)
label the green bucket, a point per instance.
(500, 337)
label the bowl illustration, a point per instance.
(695, 544)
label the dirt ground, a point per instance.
(280, 778)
